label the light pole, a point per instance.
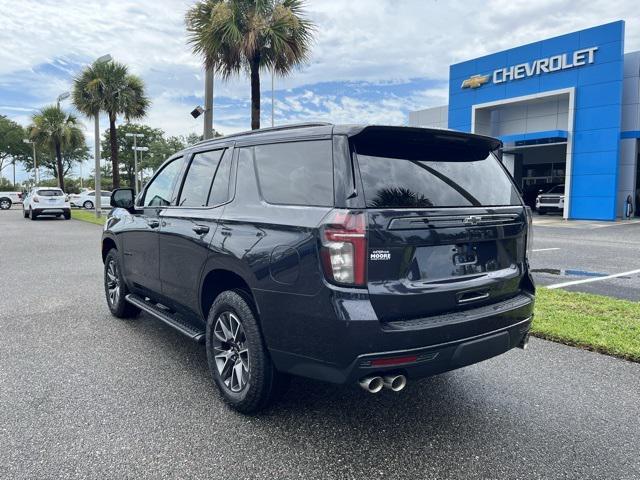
(272, 75)
(139, 149)
(62, 96)
(135, 157)
(35, 161)
(96, 150)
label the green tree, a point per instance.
(250, 35)
(109, 87)
(71, 157)
(12, 147)
(57, 131)
(126, 163)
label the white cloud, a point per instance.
(363, 42)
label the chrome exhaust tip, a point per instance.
(395, 382)
(372, 384)
(524, 343)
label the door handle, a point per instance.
(200, 229)
(153, 223)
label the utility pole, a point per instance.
(208, 104)
(35, 161)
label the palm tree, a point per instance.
(109, 87)
(56, 131)
(234, 35)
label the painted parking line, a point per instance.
(544, 249)
(594, 279)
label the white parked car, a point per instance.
(46, 201)
(9, 198)
(74, 197)
(88, 199)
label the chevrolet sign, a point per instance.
(556, 63)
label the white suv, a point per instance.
(46, 201)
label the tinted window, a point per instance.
(557, 189)
(158, 193)
(50, 193)
(220, 189)
(105, 194)
(411, 182)
(197, 184)
(299, 173)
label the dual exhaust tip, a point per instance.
(375, 383)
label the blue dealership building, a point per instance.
(567, 110)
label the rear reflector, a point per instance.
(385, 362)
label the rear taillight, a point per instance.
(36, 199)
(344, 247)
(529, 216)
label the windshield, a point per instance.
(50, 193)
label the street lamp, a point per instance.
(135, 157)
(63, 96)
(35, 161)
(140, 149)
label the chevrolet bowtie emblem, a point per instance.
(475, 81)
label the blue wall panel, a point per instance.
(598, 99)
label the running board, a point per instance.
(172, 319)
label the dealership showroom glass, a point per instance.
(568, 112)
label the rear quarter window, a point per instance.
(296, 173)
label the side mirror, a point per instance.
(122, 198)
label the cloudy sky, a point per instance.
(372, 61)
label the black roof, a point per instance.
(315, 129)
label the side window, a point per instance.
(297, 173)
(220, 188)
(197, 183)
(158, 193)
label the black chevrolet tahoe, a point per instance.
(343, 253)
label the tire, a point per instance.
(262, 382)
(541, 211)
(116, 302)
(33, 215)
(67, 215)
(5, 203)
(88, 205)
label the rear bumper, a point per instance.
(343, 351)
(51, 210)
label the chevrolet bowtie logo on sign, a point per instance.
(475, 81)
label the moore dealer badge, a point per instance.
(379, 255)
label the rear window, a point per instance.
(297, 173)
(432, 174)
(50, 193)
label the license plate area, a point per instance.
(441, 262)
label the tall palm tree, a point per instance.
(250, 35)
(57, 131)
(109, 87)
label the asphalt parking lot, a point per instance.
(588, 253)
(84, 395)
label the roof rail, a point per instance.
(290, 126)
